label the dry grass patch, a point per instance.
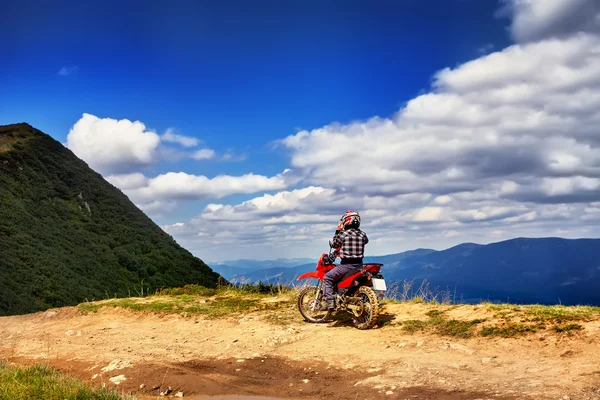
(494, 320)
(197, 300)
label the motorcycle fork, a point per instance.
(319, 293)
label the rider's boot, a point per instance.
(329, 304)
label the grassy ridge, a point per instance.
(208, 302)
(278, 305)
(505, 320)
(42, 382)
(67, 235)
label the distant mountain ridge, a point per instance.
(67, 235)
(521, 270)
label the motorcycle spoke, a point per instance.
(311, 304)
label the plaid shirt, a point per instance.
(352, 243)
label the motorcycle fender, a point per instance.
(309, 275)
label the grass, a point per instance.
(211, 303)
(569, 327)
(42, 382)
(517, 320)
(540, 313)
(9, 138)
(438, 323)
(501, 320)
(407, 292)
(507, 321)
(508, 331)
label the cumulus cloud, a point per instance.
(300, 221)
(110, 145)
(128, 181)
(119, 146)
(528, 114)
(185, 141)
(183, 186)
(283, 207)
(540, 19)
(505, 145)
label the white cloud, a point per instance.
(183, 186)
(564, 186)
(118, 146)
(128, 181)
(203, 154)
(505, 145)
(541, 19)
(523, 115)
(110, 145)
(428, 214)
(185, 141)
(230, 156)
(156, 208)
(302, 220)
(283, 207)
(444, 199)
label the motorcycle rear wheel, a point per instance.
(370, 309)
(310, 301)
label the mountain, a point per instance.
(282, 275)
(287, 269)
(521, 270)
(233, 268)
(398, 260)
(288, 275)
(227, 271)
(67, 235)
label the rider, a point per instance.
(352, 241)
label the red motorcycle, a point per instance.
(354, 293)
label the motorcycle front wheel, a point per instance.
(310, 304)
(366, 316)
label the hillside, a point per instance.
(67, 235)
(224, 342)
(239, 268)
(522, 270)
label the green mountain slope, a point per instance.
(67, 235)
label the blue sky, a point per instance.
(241, 76)
(235, 71)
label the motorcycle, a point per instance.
(355, 293)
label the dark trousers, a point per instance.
(334, 276)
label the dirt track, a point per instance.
(250, 356)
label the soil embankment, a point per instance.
(259, 355)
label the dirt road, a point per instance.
(147, 353)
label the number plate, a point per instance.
(378, 284)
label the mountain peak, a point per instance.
(13, 134)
